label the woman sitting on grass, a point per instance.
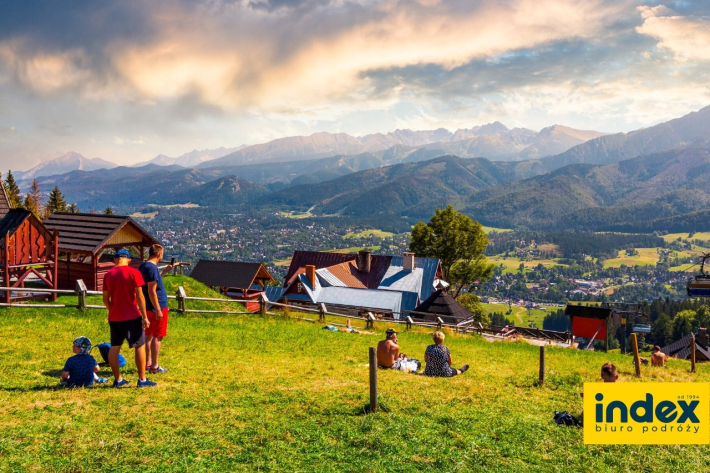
(438, 359)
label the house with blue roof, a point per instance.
(388, 286)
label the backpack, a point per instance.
(103, 350)
(566, 419)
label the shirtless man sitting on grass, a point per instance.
(388, 355)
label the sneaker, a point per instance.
(464, 368)
(102, 380)
(120, 384)
(158, 369)
(146, 383)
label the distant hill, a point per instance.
(620, 196)
(614, 148)
(229, 190)
(65, 163)
(492, 141)
(395, 189)
(191, 159)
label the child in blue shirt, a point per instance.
(80, 370)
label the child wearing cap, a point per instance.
(80, 370)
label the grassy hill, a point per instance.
(246, 393)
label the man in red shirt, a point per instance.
(127, 318)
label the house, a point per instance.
(27, 249)
(87, 243)
(389, 286)
(235, 279)
(681, 348)
(441, 305)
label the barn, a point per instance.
(87, 243)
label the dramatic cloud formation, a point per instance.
(129, 80)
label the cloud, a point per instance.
(687, 38)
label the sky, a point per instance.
(128, 80)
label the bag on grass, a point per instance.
(103, 350)
(566, 419)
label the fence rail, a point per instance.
(468, 326)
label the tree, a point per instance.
(682, 325)
(73, 209)
(473, 304)
(56, 202)
(34, 200)
(453, 238)
(12, 191)
(464, 273)
(662, 331)
(108, 211)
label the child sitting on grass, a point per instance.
(80, 370)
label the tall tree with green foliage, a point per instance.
(56, 202)
(13, 191)
(458, 241)
(108, 211)
(682, 324)
(73, 209)
(34, 200)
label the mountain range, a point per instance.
(644, 179)
(65, 163)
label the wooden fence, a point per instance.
(266, 307)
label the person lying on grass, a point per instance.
(389, 357)
(438, 359)
(80, 370)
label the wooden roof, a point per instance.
(90, 233)
(441, 304)
(4, 201)
(12, 221)
(322, 259)
(232, 274)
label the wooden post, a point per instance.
(370, 320)
(286, 309)
(373, 380)
(409, 322)
(80, 290)
(55, 263)
(637, 360)
(692, 353)
(439, 322)
(262, 306)
(6, 258)
(321, 312)
(542, 365)
(180, 296)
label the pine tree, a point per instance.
(56, 202)
(108, 211)
(31, 204)
(13, 191)
(74, 209)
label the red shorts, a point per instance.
(157, 328)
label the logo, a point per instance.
(646, 413)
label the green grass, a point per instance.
(495, 229)
(369, 233)
(246, 393)
(645, 257)
(511, 264)
(296, 215)
(520, 314)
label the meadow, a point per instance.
(251, 393)
(520, 315)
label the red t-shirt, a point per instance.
(121, 283)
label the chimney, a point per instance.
(408, 261)
(702, 337)
(311, 275)
(364, 259)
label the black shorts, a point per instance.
(131, 330)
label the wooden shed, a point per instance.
(87, 243)
(235, 279)
(27, 248)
